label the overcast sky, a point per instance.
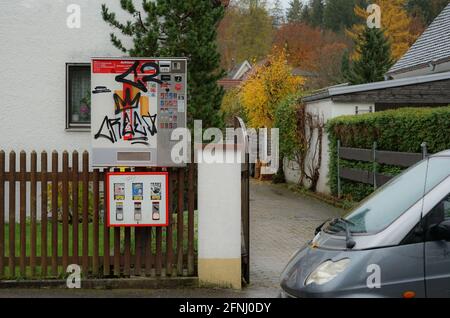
(286, 3)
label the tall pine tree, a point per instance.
(339, 14)
(426, 9)
(345, 65)
(294, 13)
(375, 57)
(306, 14)
(185, 28)
(277, 13)
(317, 11)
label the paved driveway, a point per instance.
(281, 222)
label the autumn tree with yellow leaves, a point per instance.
(270, 82)
(395, 22)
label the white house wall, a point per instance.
(326, 109)
(36, 45)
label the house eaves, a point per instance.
(331, 92)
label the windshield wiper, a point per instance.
(319, 228)
(350, 243)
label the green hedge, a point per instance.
(394, 130)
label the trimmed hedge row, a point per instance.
(401, 130)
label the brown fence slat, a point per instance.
(65, 210)
(148, 251)
(180, 221)
(363, 176)
(54, 213)
(127, 247)
(23, 213)
(138, 237)
(33, 211)
(12, 216)
(106, 264)
(158, 261)
(191, 207)
(382, 179)
(117, 247)
(127, 252)
(44, 198)
(75, 210)
(158, 250)
(402, 159)
(141, 251)
(96, 198)
(138, 242)
(356, 175)
(169, 229)
(356, 154)
(2, 213)
(85, 200)
(117, 251)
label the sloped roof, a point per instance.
(236, 72)
(433, 46)
(227, 83)
(343, 89)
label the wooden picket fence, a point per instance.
(66, 226)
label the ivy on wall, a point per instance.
(402, 130)
(301, 135)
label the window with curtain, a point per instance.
(78, 96)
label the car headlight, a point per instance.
(327, 271)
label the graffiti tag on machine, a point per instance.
(132, 121)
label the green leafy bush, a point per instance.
(286, 120)
(401, 130)
(232, 107)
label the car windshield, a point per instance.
(393, 199)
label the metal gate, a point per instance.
(245, 201)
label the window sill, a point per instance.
(78, 129)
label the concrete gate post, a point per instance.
(219, 218)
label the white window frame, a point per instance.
(69, 125)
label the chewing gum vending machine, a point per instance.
(136, 103)
(137, 199)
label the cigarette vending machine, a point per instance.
(136, 104)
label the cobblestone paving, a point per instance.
(281, 222)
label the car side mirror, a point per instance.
(441, 231)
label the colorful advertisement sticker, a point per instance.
(119, 191)
(155, 188)
(138, 191)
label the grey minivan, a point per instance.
(395, 244)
